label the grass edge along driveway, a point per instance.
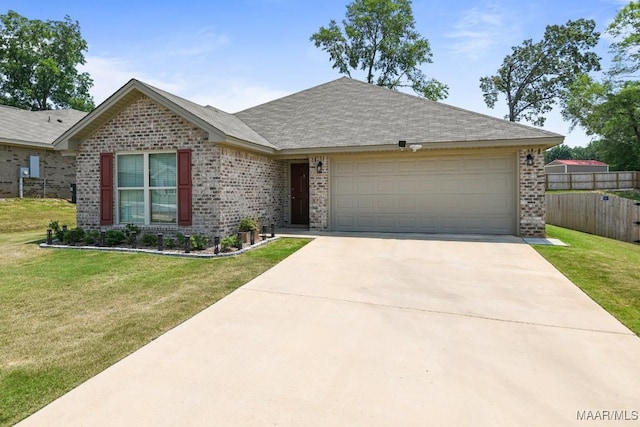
(67, 315)
(607, 270)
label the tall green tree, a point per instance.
(561, 151)
(535, 76)
(610, 112)
(379, 38)
(626, 49)
(39, 64)
(564, 152)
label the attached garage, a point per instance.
(468, 194)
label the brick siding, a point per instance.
(227, 184)
(57, 172)
(532, 198)
(250, 185)
(145, 125)
(319, 194)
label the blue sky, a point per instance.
(237, 54)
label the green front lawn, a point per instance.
(605, 269)
(66, 315)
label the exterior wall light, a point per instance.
(401, 144)
(319, 167)
(529, 160)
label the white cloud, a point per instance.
(233, 95)
(227, 94)
(477, 31)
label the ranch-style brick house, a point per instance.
(341, 156)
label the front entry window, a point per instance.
(147, 188)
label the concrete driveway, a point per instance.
(357, 331)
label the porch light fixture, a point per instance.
(529, 160)
(402, 143)
(319, 167)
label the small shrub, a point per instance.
(180, 239)
(199, 242)
(229, 242)
(91, 237)
(114, 237)
(132, 232)
(75, 234)
(169, 243)
(56, 230)
(247, 224)
(130, 229)
(149, 239)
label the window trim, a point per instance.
(146, 189)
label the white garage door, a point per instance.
(452, 194)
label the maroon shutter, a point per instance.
(106, 188)
(184, 187)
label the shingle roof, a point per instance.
(347, 112)
(35, 127)
(225, 122)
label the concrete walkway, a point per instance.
(361, 331)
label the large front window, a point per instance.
(147, 188)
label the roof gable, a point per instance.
(221, 126)
(350, 113)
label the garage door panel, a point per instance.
(385, 167)
(364, 203)
(497, 164)
(343, 185)
(477, 165)
(364, 167)
(386, 205)
(407, 167)
(436, 195)
(385, 186)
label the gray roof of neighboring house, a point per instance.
(35, 128)
(347, 113)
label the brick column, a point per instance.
(532, 198)
(318, 194)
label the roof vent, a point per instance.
(59, 120)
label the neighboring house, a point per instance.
(569, 166)
(326, 158)
(26, 141)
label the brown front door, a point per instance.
(300, 193)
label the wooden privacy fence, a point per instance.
(600, 214)
(592, 180)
